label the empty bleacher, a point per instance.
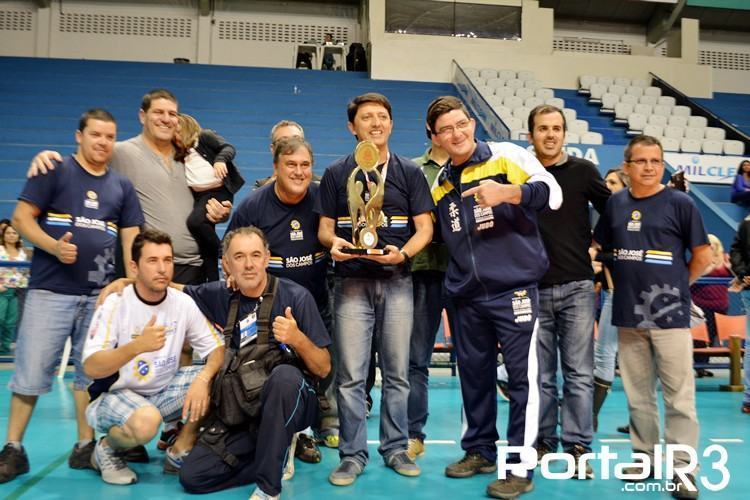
(41, 101)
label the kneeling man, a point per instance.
(133, 351)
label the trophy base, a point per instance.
(365, 251)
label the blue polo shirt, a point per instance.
(91, 207)
(406, 195)
(649, 238)
(213, 300)
(292, 233)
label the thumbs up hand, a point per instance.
(285, 329)
(65, 251)
(153, 337)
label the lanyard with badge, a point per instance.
(249, 325)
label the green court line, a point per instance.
(33, 480)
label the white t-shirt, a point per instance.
(122, 318)
(199, 173)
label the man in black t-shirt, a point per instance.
(567, 302)
(374, 293)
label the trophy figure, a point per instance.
(366, 215)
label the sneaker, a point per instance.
(80, 458)
(576, 452)
(113, 468)
(402, 464)
(306, 449)
(510, 487)
(542, 450)
(135, 455)
(345, 473)
(472, 463)
(172, 464)
(624, 429)
(168, 437)
(746, 408)
(330, 441)
(415, 448)
(13, 463)
(502, 390)
(682, 491)
(259, 494)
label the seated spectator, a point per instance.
(329, 62)
(138, 381)
(741, 186)
(11, 278)
(210, 173)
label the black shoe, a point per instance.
(136, 455)
(510, 487)
(576, 452)
(167, 438)
(682, 490)
(472, 463)
(80, 458)
(307, 450)
(368, 402)
(624, 429)
(13, 463)
(502, 390)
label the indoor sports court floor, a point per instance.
(52, 431)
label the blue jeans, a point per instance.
(362, 307)
(48, 320)
(745, 295)
(605, 347)
(566, 323)
(429, 300)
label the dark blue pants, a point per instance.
(511, 320)
(289, 406)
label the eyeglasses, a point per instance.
(643, 162)
(460, 126)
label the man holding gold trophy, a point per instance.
(375, 214)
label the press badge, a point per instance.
(248, 329)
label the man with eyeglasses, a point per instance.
(567, 301)
(487, 198)
(283, 210)
(650, 229)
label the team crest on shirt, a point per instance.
(522, 307)
(484, 217)
(142, 370)
(296, 233)
(634, 224)
(92, 200)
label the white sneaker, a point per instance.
(259, 494)
(114, 469)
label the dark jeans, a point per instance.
(289, 406)
(429, 301)
(188, 275)
(204, 231)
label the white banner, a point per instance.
(714, 169)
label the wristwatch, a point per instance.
(407, 259)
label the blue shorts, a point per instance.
(115, 408)
(49, 318)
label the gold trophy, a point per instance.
(366, 215)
